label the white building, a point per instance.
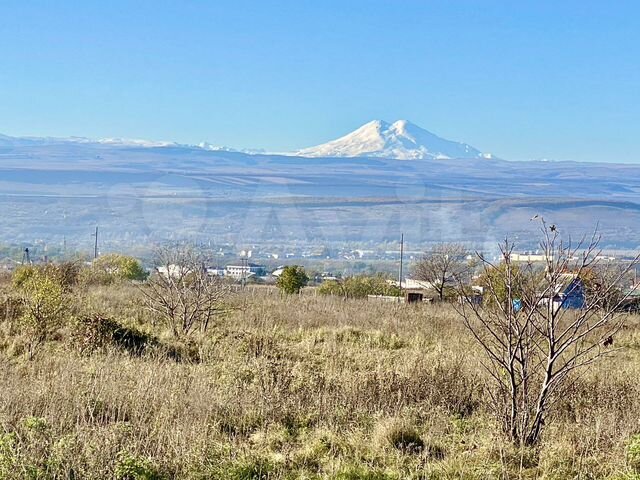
(173, 270)
(412, 284)
(216, 272)
(239, 272)
(528, 257)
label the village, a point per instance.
(268, 355)
(403, 273)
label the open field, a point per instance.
(293, 387)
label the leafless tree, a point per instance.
(535, 346)
(181, 292)
(599, 278)
(443, 266)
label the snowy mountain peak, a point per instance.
(401, 125)
(401, 140)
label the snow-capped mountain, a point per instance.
(400, 140)
(223, 148)
(7, 141)
(58, 189)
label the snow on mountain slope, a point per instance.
(400, 140)
(7, 141)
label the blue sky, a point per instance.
(524, 80)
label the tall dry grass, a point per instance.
(295, 387)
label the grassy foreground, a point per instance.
(299, 387)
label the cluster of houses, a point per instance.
(568, 293)
(248, 271)
(245, 271)
(239, 272)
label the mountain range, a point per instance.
(363, 188)
(401, 140)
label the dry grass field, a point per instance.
(305, 387)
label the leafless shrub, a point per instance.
(535, 345)
(181, 292)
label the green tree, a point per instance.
(44, 312)
(498, 280)
(116, 267)
(292, 279)
(65, 273)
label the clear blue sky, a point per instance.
(539, 79)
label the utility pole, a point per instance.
(244, 262)
(26, 258)
(95, 244)
(401, 259)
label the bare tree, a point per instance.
(181, 292)
(599, 279)
(535, 346)
(442, 266)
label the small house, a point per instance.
(569, 292)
